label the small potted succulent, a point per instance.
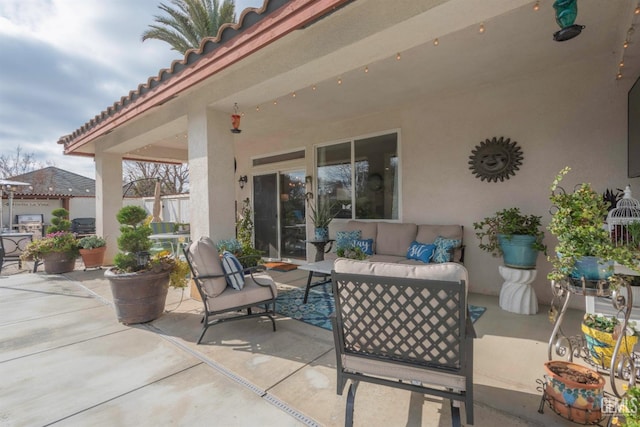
(515, 236)
(92, 250)
(601, 333)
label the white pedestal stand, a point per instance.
(517, 295)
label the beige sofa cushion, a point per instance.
(395, 238)
(369, 229)
(206, 261)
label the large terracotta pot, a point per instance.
(93, 258)
(138, 297)
(58, 262)
(575, 401)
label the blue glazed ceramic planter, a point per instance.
(592, 268)
(518, 251)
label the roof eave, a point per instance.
(279, 23)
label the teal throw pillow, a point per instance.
(444, 249)
(421, 251)
(344, 239)
(365, 244)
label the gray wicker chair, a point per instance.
(259, 290)
(404, 326)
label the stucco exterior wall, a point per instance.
(563, 117)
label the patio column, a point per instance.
(108, 200)
(211, 175)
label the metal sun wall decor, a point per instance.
(495, 159)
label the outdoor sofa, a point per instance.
(391, 241)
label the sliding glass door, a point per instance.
(279, 215)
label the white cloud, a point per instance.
(69, 60)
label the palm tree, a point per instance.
(189, 22)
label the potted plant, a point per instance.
(585, 249)
(92, 250)
(58, 249)
(139, 282)
(321, 217)
(513, 235)
(573, 391)
(601, 334)
(353, 252)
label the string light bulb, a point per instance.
(637, 10)
(313, 87)
(340, 81)
(293, 95)
(619, 75)
(398, 56)
(436, 42)
(621, 64)
(257, 108)
(625, 44)
(275, 102)
(481, 29)
(366, 69)
(536, 6)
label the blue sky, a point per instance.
(64, 61)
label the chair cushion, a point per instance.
(251, 293)
(395, 238)
(421, 251)
(444, 249)
(408, 373)
(451, 271)
(206, 261)
(233, 270)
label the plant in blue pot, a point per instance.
(515, 236)
(585, 249)
(321, 215)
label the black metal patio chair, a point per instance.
(219, 298)
(404, 326)
(11, 247)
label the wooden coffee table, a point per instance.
(318, 269)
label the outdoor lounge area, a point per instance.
(65, 360)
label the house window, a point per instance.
(372, 164)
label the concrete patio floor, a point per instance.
(65, 360)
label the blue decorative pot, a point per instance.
(518, 251)
(592, 268)
(321, 233)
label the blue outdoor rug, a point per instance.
(320, 305)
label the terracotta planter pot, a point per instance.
(138, 297)
(58, 262)
(575, 401)
(93, 258)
